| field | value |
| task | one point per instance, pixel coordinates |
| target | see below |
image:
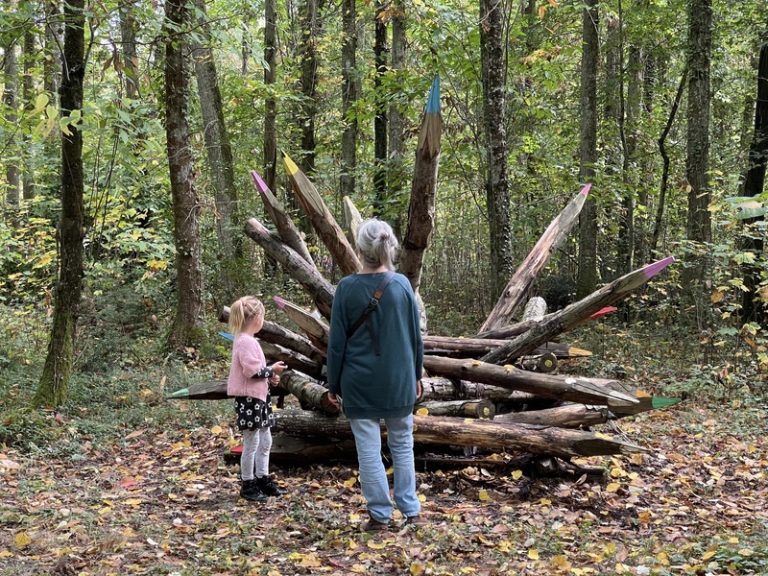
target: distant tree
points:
(494, 78)
(754, 183)
(52, 389)
(349, 94)
(10, 89)
(186, 208)
(587, 278)
(699, 226)
(29, 55)
(130, 64)
(380, 49)
(270, 102)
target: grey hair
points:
(377, 244)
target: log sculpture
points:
(497, 390)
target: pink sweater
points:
(247, 360)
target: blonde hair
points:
(242, 311)
(377, 244)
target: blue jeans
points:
(373, 477)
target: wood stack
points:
(497, 390)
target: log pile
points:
(497, 390)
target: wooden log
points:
(482, 408)
(545, 362)
(520, 283)
(421, 210)
(322, 220)
(573, 315)
(286, 229)
(513, 330)
(278, 334)
(352, 220)
(293, 359)
(299, 269)
(310, 394)
(315, 328)
(453, 347)
(566, 416)
(572, 388)
(535, 309)
(211, 390)
(485, 434)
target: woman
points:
(375, 354)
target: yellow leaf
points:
(663, 558)
(373, 545)
(484, 496)
(134, 501)
(717, 296)
(309, 561)
(216, 430)
(733, 540)
(417, 569)
(746, 552)
(422, 412)
(22, 540)
(612, 487)
(6, 554)
(644, 517)
(349, 482)
(359, 569)
(641, 394)
(545, 501)
(517, 474)
(617, 472)
(533, 554)
(609, 549)
(561, 562)
(708, 554)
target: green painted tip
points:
(664, 402)
(183, 393)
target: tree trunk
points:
(380, 119)
(698, 227)
(270, 102)
(10, 89)
(220, 162)
(493, 63)
(28, 96)
(588, 278)
(349, 98)
(185, 202)
(130, 62)
(52, 389)
(397, 170)
(308, 53)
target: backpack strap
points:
(365, 316)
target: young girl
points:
(249, 381)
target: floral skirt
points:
(253, 413)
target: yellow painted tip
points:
(578, 352)
(290, 165)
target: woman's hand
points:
(333, 399)
(419, 390)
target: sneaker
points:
(268, 486)
(250, 491)
(417, 520)
(372, 525)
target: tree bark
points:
(397, 171)
(588, 276)
(220, 162)
(493, 64)
(28, 96)
(52, 388)
(186, 207)
(349, 98)
(311, 28)
(380, 50)
(752, 304)
(698, 226)
(10, 94)
(270, 102)
(130, 62)
(458, 408)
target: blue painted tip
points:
(227, 336)
(433, 102)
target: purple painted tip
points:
(654, 268)
(586, 189)
(259, 181)
(279, 302)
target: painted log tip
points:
(586, 189)
(603, 311)
(654, 268)
(433, 100)
(290, 165)
(227, 336)
(183, 393)
(259, 181)
(279, 302)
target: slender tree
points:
(752, 307)
(699, 226)
(29, 54)
(493, 59)
(10, 89)
(396, 173)
(219, 154)
(270, 102)
(349, 93)
(54, 381)
(380, 49)
(186, 208)
(309, 61)
(130, 63)
(587, 278)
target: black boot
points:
(250, 491)
(268, 486)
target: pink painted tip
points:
(259, 181)
(586, 189)
(603, 312)
(654, 268)
(279, 302)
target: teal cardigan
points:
(374, 386)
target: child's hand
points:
(278, 367)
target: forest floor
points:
(166, 503)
